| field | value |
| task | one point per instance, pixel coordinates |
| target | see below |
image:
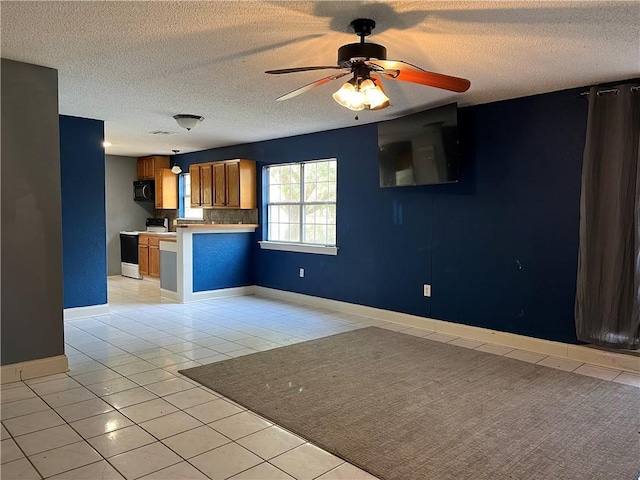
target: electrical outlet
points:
(302, 273)
(426, 290)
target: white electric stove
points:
(129, 246)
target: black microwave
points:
(143, 190)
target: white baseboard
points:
(170, 294)
(34, 369)
(83, 312)
(223, 292)
(581, 353)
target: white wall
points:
(123, 213)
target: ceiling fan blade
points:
(378, 82)
(311, 85)
(431, 79)
(302, 69)
(393, 65)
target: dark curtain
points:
(608, 288)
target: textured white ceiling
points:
(136, 64)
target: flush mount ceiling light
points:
(176, 168)
(106, 144)
(188, 121)
(368, 63)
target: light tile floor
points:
(124, 411)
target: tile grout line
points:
(79, 434)
(27, 457)
(159, 440)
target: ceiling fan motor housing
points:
(351, 52)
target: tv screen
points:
(420, 149)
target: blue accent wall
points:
(221, 260)
(499, 248)
(84, 249)
(505, 244)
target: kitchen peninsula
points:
(206, 261)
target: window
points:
(185, 200)
(301, 203)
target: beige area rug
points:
(407, 408)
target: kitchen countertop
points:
(219, 225)
(144, 232)
(159, 234)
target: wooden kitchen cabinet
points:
(201, 185)
(166, 189)
(147, 166)
(149, 255)
(234, 184)
(225, 184)
(219, 185)
(143, 254)
(154, 257)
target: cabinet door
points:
(206, 185)
(169, 189)
(233, 184)
(159, 189)
(159, 161)
(220, 185)
(141, 163)
(149, 172)
(154, 261)
(194, 172)
(143, 259)
(147, 166)
(166, 189)
(248, 190)
(150, 168)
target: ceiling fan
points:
(368, 63)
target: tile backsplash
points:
(215, 215)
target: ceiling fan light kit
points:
(374, 97)
(358, 94)
(188, 121)
(367, 61)
(349, 96)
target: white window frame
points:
(186, 194)
(299, 247)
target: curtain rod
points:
(634, 88)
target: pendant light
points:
(176, 168)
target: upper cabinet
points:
(235, 184)
(147, 166)
(226, 184)
(201, 185)
(166, 189)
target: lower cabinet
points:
(149, 255)
(143, 254)
(154, 257)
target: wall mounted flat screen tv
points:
(420, 149)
